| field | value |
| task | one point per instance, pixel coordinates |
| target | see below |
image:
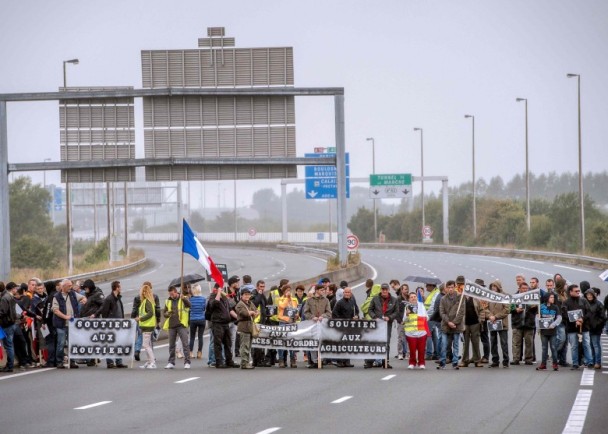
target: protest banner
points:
(353, 339)
(108, 338)
(297, 336)
(479, 292)
(334, 338)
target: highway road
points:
(265, 400)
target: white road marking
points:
(572, 268)
(97, 404)
(528, 260)
(587, 378)
(186, 380)
(269, 430)
(388, 377)
(153, 270)
(21, 374)
(341, 400)
(374, 276)
(578, 414)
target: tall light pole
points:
(422, 171)
(474, 193)
(68, 192)
(580, 164)
(527, 167)
(371, 139)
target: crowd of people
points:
(432, 322)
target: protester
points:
(9, 321)
(221, 316)
(176, 313)
(402, 302)
(112, 307)
(259, 301)
(135, 313)
(345, 308)
(198, 303)
(523, 323)
(146, 320)
(495, 315)
(472, 332)
(316, 309)
(384, 307)
(452, 323)
(432, 349)
(597, 319)
(287, 314)
(246, 312)
(415, 332)
(549, 311)
(577, 310)
(65, 309)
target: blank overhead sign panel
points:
(219, 126)
(97, 129)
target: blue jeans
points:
(573, 340)
(455, 348)
(138, 341)
(548, 341)
(431, 344)
(61, 338)
(596, 345)
(8, 344)
(51, 346)
(197, 328)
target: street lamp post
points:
(527, 167)
(474, 193)
(580, 164)
(68, 199)
(422, 171)
(374, 172)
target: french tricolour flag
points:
(423, 318)
(192, 246)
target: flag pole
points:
(182, 270)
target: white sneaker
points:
(400, 357)
(151, 366)
(187, 366)
(421, 367)
(411, 367)
(144, 366)
(170, 366)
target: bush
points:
(97, 254)
(33, 252)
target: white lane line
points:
(186, 380)
(374, 276)
(161, 346)
(269, 430)
(341, 400)
(388, 377)
(578, 414)
(153, 270)
(97, 404)
(587, 378)
(572, 268)
(21, 374)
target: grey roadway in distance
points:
(471, 400)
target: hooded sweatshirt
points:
(596, 316)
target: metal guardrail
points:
(599, 263)
(96, 275)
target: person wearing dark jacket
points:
(9, 321)
(221, 316)
(50, 339)
(95, 299)
(384, 307)
(550, 318)
(346, 308)
(112, 308)
(576, 310)
(596, 318)
(523, 319)
(259, 301)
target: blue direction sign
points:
(321, 181)
(58, 198)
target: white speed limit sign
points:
(352, 242)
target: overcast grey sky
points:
(403, 64)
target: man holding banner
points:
(495, 314)
(451, 310)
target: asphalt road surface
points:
(472, 400)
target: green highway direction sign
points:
(396, 185)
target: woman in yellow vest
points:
(415, 332)
(287, 314)
(147, 323)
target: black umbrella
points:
(423, 279)
(188, 278)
